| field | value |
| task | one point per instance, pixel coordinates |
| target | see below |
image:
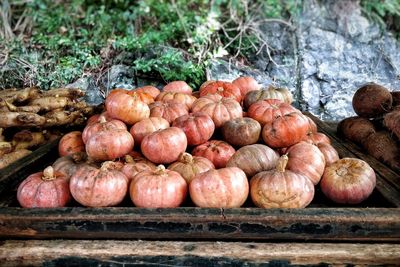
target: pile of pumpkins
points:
(243, 141)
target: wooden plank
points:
(355, 224)
(144, 253)
(388, 181)
(11, 175)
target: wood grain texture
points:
(144, 253)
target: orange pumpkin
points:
(151, 90)
(267, 110)
(169, 110)
(147, 126)
(246, 84)
(198, 127)
(71, 143)
(178, 86)
(179, 97)
(225, 89)
(218, 152)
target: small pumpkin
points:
(281, 188)
(178, 86)
(164, 146)
(179, 97)
(104, 187)
(169, 110)
(143, 96)
(282, 94)
(246, 84)
(316, 138)
(241, 131)
(189, 166)
(98, 117)
(71, 143)
(223, 188)
(70, 163)
(47, 189)
(198, 127)
(102, 125)
(159, 188)
(133, 166)
(265, 111)
(329, 152)
(147, 126)
(151, 90)
(218, 152)
(224, 89)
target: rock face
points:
(332, 52)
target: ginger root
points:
(27, 139)
(51, 102)
(5, 147)
(11, 119)
(72, 93)
(9, 158)
(12, 95)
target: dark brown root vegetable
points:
(372, 100)
(381, 146)
(355, 129)
(396, 98)
(392, 122)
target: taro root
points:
(355, 129)
(396, 98)
(392, 122)
(372, 100)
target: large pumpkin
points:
(223, 188)
(169, 110)
(179, 87)
(246, 84)
(281, 188)
(306, 159)
(218, 152)
(271, 93)
(220, 109)
(164, 146)
(241, 131)
(285, 130)
(71, 143)
(159, 188)
(147, 126)
(102, 125)
(47, 189)
(178, 97)
(224, 89)
(129, 109)
(198, 127)
(265, 111)
(102, 187)
(253, 159)
(189, 166)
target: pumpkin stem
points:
(282, 162)
(48, 174)
(108, 165)
(220, 89)
(160, 169)
(78, 157)
(102, 119)
(186, 158)
(129, 159)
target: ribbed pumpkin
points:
(189, 166)
(102, 187)
(281, 188)
(198, 127)
(253, 159)
(316, 138)
(265, 111)
(159, 188)
(70, 163)
(246, 84)
(71, 143)
(218, 152)
(220, 109)
(98, 117)
(102, 125)
(147, 126)
(133, 167)
(129, 109)
(271, 93)
(143, 96)
(241, 131)
(164, 146)
(224, 89)
(178, 86)
(306, 159)
(312, 127)
(329, 152)
(223, 188)
(47, 189)
(286, 130)
(169, 110)
(151, 90)
(179, 97)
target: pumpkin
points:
(241, 131)
(159, 188)
(316, 138)
(101, 125)
(392, 122)
(143, 96)
(169, 110)
(348, 181)
(267, 110)
(312, 126)
(246, 84)
(104, 187)
(306, 159)
(147, 126)
(253, 159)
(198, 127)
(68, 165)
(206, 83)
(164, 146)
(281, 188)
(47, 189)
(271, 93)
(218, 152)
(220, 109)
(329, 152)
(196, 94)
(109, 144)
(224, 89)
(178, 86)
(223, 188)
(98, 117)
(129, 109)
(151, 90)
(355, 129)
(134, 166)
(188, 166)
(372, 100)
(178, 97)
(71, 143)
(286, 130)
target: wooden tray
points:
(375, 220)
